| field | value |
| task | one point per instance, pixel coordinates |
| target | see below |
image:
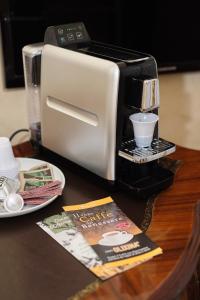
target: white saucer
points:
(26, 164)
(122, 240)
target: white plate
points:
(26, 164)
(121, 240)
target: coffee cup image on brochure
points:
(114, 238)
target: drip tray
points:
(158, 149)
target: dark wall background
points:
(167, 30)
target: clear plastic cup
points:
(143, 127)
(9, 166)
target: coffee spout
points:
(150, 95)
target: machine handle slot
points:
(72, 111)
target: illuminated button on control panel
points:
(70, 37)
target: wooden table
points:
(33, 266)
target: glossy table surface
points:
(170, 228)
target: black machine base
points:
(140, 180)
(144, 181)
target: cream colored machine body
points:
(79, 108)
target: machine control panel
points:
(67, 35)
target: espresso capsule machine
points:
(88, 92)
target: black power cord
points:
(16, 132)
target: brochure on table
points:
(101, 237)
